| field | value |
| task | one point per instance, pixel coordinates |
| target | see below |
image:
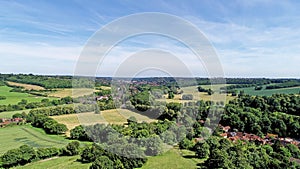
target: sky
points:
(257, 38)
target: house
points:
(102, 98)
(224, 135)
(5, 122)
(198, 139)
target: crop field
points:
(26, 86)
(15, 97)
(114, 116)
(15, 136)
(57, 163)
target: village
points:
(8, 121)
(270, 139)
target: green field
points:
(15, 97)
(174, 159)
(264, 92)
(57, 163)
(15, 136)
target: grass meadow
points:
(56, 163)
(16, 136)
(15, 97)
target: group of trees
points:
(117, 146)
(48, 124)
(278, 114)
(26, 154)
(222, 153)
(103, 159)
(187, 97)
(24, 104)
(52, 82)
(146, 138)
(209, 91)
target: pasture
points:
(15, 97)
(15, 136)
(57, 163)
(26, 86)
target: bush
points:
(187, 97)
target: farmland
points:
(15, 97)
(26, 86)
(15, 136)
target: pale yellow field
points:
(114, 116)
(26, 86)
(75, 92)
(105, 87)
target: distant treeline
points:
(284, 85)
(51, 82)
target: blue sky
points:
(258, 38)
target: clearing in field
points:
(26, 86)
(114, 116)
(15, 97)
(57, 163)
(16, 136)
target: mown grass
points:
(26, 86)
(15, 97)
(15, 136)
(57, 163)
